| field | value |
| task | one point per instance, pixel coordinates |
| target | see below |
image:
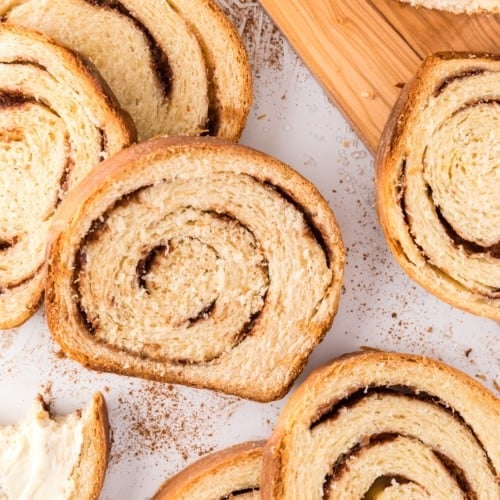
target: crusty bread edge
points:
(386, 165)
(95, 452)
(271, 486)
(232, 119)
(174, 486)
(112, 169)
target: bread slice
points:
(459, 6)
(55, 457)
(385, 425)
(56, 123)
(233, 472)
(437, 180)
(195, 261)
(177, 66)
(229, 72)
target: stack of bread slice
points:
(176, 66)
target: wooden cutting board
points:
(363, 51)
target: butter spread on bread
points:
(54, 458)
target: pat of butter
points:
(37, 456)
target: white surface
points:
(293, 120)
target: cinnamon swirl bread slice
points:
(385, 425)
(233, 472)
(458, 6)
(61, 457)
(195, 261)
(177, 66)
(438, 180)
(56, 123)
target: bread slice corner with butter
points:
(63, 457)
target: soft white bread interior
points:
(459, 6)
(56, 123)
(177, 66)
(195, 261)
(385, 425)
(61, 458)
(438, 180)
(233, 472)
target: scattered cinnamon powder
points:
(160, 419)
(496, 385)
(6, 340)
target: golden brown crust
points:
(134, 162)
(182, 482)
(228, 67)
(95, 453)
(391, 183)
(477, 408)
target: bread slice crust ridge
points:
(178, 67)
(226, 473)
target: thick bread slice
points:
(195, 261)
(385, 425)
(56, 123)
(459, 6)
(232, 472)
(152, 54)
(438, 180)
(229, 72)
(55, 457)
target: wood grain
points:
(363, 51)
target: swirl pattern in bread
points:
(177, 66)
(385, 425)
(438, 180)
(195, 261)
(56, 123)
(459, 6)
(233, 472)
